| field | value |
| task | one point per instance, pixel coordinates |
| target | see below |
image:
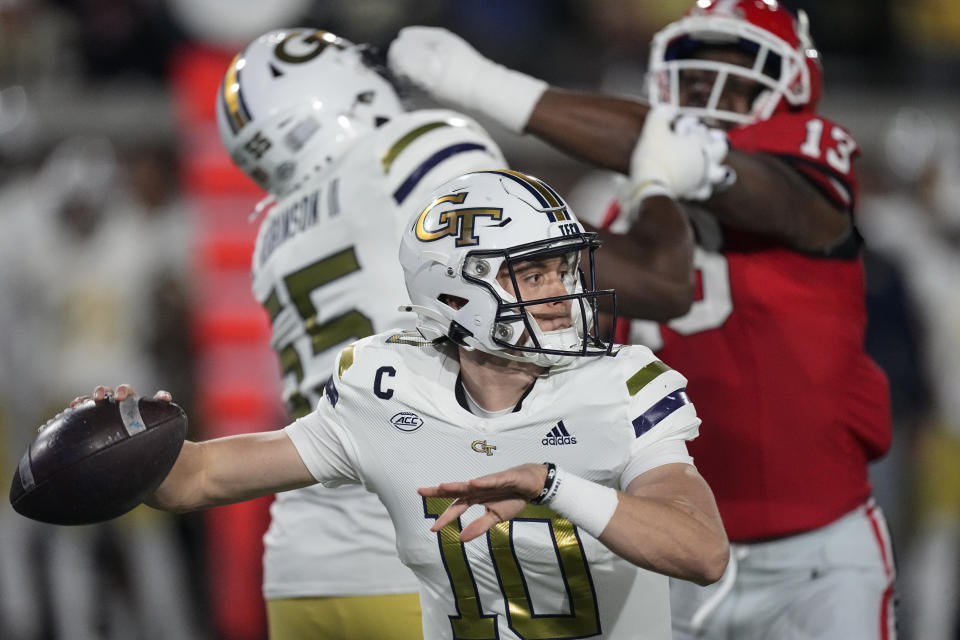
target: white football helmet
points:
(294, 100)
(455, 247)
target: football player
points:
(316, 121)
(505, 359)
(771, 335)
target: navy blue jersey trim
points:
(652, 416)
(331, 393)
(416, 176)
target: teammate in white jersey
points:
(504, 370)
(316, 122)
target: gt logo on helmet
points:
(319, 38)
(458, 223)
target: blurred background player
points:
(316, 121)
(773, 338)
(914, 222)
(94, 303)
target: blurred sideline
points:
(122, 254)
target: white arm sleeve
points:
(448, 68)
(664, 419)
(325, 447)
(661, 453)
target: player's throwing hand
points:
(503, 495)
(122, 392)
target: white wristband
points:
(507, 96)
(586, 504)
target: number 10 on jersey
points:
(572, 577)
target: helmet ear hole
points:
(452, 301)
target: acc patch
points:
(406, 421)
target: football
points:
(98, 460)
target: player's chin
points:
(554, 324)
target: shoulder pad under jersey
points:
(421, 149)
(821, 150)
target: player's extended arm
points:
(452, 71)
(599, 129)
(771, 198)
(666, 521)
(225, 470)
(768, 197)
(651, 266)
(231, 469)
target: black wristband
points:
(547, 483)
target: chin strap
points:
(439, 326)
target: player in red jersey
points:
(770, 332)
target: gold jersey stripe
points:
(346, 360)
(404, 142)
(643, 377)
(411, 337)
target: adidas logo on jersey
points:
(559, 435)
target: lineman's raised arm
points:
(589, 126)
(605, 130)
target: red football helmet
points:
(786, 65)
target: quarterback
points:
(446, 423)
(771, 334)
(317, 122)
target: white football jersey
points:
(325, 268)
(391, 421)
